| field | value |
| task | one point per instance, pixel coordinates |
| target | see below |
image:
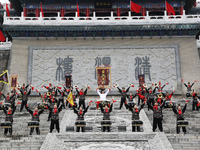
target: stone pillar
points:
(37, 12)
(143, 11)
(181, 10)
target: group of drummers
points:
(154, 96)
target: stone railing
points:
(5, 45)
(94, 20)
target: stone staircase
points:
(20, 139)
(189, 141)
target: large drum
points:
(103, 103)
(182, 123)
(80, 123)
(106, 123)
(41, 105)
(6, 124)
(33, 124)
(169, 105)
(137, 123)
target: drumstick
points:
(42, 98)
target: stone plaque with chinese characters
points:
(50, 65)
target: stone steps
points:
(188, 141)
(21, 140)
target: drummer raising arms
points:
(189, 87)
(123, 95)
(35, 117)
(9, 118)
(180, 116)
(55, 116)
(80, 117)
(106, 115)
(135, 114)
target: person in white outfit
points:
(103, 94)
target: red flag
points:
(7, 10)
(169, 8)
(2, 37)
(77, 9)
(135, 7)
(41, 9)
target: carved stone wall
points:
(157, 62)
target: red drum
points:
(106, 123)
(6, 124)
(33, 124)
(137, 123)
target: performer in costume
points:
(80, 116)
(131, 101)
(151, 95)
(139, 91)
(103, 94)
(14, 97)
(157, 115)
(189, 87)
(61, 97)
(24, 87)
(9, 118)
(35, 117)
(9, 99)
(49, 88)
(82, 97)
(55, 117)
(123, 95)
(52, 103)
(195, 102)
(135, 114)
(168, 96)
(106, 115)
(180, 116)
(25, 95)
